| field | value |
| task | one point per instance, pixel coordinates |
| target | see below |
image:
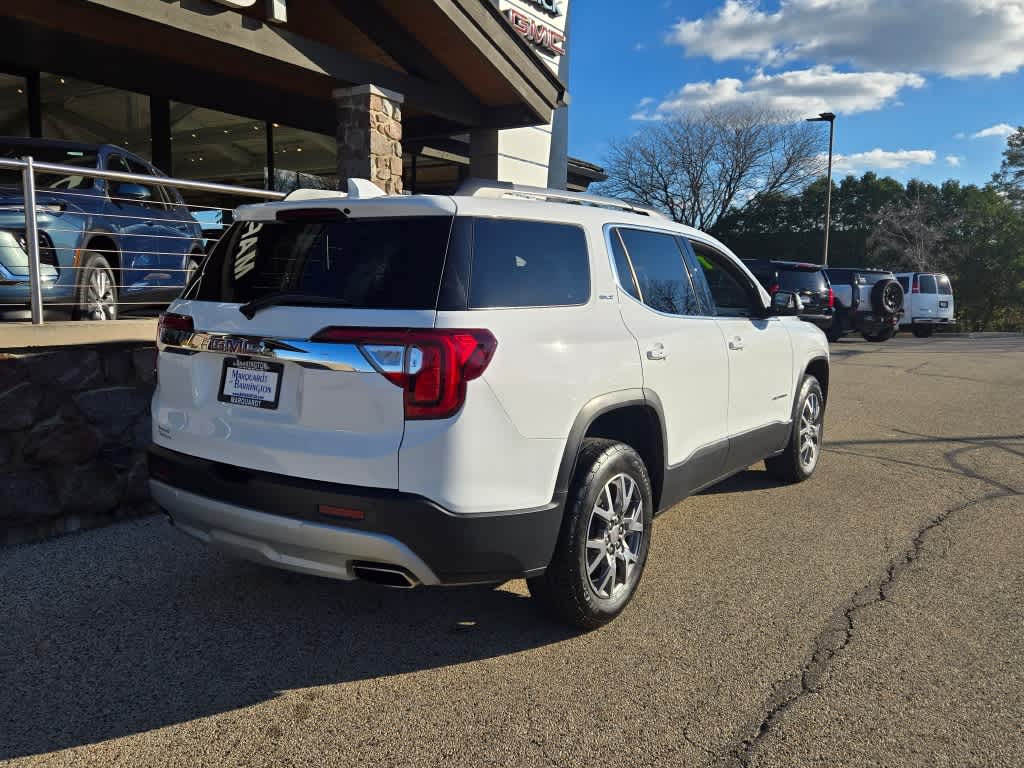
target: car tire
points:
(887, 297)
(605, 536)
(923, 331)
(835, 332)
(191, 267)
(878, 336)
(97, 291)
(803, 451)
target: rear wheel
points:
(883, 335)
(923, 331)
(835, 332)
(603, 544)
(97, 297)
(800, 459)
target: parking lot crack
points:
(839, 632)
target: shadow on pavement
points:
(132, 628)
(748, 480)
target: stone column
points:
(370, 136)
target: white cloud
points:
(1002, 130)
(646, 101)
(802, 91)
(950, 37)
(953, 161)
(882, 159)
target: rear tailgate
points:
(257, 392)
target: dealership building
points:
(417, 95)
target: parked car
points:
(808, 281)
(449, 390)
(929, 303)
(867, 301)
(102, 244)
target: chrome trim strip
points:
(309, 354)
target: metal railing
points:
(30, 172)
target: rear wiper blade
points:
(293, 299)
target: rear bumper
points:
(928, 321)
(823, 321)
(275, 519)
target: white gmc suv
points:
(505, 383)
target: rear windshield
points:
(386, 263)
(904, 283)
(801, 280)
(944, 285)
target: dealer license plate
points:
(254, 383)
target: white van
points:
(929, 302)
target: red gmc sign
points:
(551, 40)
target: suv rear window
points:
(528, 264)
(385, 263)
(801, 280)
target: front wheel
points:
(98, 291)
(803, 451)
(605, 536)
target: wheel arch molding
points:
(632, 416)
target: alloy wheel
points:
(614, 536)
(100, 302)
(810, 432)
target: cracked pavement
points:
(869, 617)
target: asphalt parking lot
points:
(870, 617)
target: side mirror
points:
(133, 191)
(786, 303)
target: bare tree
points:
(695, 168)
(912, 232)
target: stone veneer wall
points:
(74, 427)
(370, 136)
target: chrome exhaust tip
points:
(394, 576)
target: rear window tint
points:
(945, 288)
(801, 280)
(528, 264)
(387, 263)
(904, 283)
(927, 283)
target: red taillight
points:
(831, 298)
(172, 328)
(431, 365)
(773, 288)
(915, 287)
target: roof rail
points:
(505, 189)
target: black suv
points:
(806, 280)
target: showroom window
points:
(13, 105)
(303, 158)
(217, 146)
(78, 110)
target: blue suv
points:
(101, 243)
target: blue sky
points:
(913, 81)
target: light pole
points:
(827, 117)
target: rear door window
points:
(661, 275)
(927, 283)
(381, 263)
(945, 287)
(528, 264)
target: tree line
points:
(753, 190)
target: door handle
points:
(736, 343)
(657, 352)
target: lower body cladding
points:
(348, 532)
